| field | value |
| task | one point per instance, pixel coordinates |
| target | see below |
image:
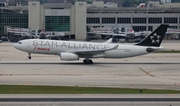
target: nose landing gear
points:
(29, 57)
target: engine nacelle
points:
(69, 56)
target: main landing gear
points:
(87, 61)
(29, 57)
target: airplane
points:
(173, 31)
(119, 33)
(142, 5)
(73, 50)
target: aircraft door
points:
(28, 44)
(132, 50)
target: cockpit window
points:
(19, 42)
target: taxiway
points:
(152, 71)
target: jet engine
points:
(69, 56)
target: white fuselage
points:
(55, 47)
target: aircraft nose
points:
(15, 45)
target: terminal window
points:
(108, 20)
(57, 23)
(139, 20)
(155, 20)
(93, 20)
(124, 20)
(170, 20)
(12, 19)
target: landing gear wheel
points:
(90, 61)
(87, 61)
(29, 57)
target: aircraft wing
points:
(173, 32)
(100, 33)
(92, 52)
(122, 35)
(113, 34)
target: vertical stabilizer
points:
(156, 37)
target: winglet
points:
(108, 41)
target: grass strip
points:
(28, 89)
(168, 51)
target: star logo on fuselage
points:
(155, 38)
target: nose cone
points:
(15, 45)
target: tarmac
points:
(152, 71)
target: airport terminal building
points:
(76, 19)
